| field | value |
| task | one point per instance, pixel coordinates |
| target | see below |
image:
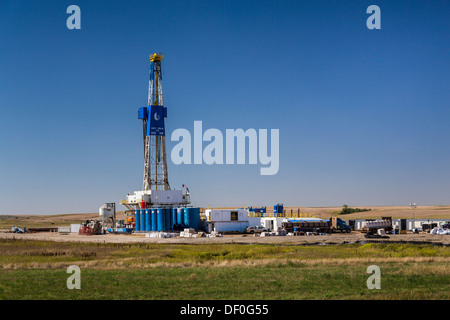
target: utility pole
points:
(413, 207)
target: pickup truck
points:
(253, 230)
(446, 225)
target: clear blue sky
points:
(363, 114)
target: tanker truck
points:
(372, 226)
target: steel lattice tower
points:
(156, 192)
(155, 159)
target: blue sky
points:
(363, 114)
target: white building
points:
(272, 224)
(229, 220)
(236, 220)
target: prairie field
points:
(413, 266)
(37, 270)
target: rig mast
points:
(156, 192)
(155, 158)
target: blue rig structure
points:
(156, 207)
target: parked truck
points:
(257, 229)
(332, 225)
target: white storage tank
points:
(106, 211)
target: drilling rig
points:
(155, 159)
(156, 191)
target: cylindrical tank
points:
(154, 220)
(186, 217)
(174, 218)
(278, 208)
(148, 220)
(168, 218)
(106, 211)
(137, 219)
(180, 216)
(161, 219)
(194, 217)
(376, 224)
(142, 228)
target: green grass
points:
(288, 281)
(37, 270)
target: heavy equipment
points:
(107, 213)
(91, 227)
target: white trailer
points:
(273, 224)
(230, 220)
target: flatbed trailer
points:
(322, 226)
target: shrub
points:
(347, 210)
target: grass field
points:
(37, 270)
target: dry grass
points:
(35, 221)
(421, 264)
(23, 254)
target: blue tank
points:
(174, 218)
(148, 220)
(186, 217)
(180, 216)
(278, 208)
(142, 228)
(154, 220)
(137, 220)
(161, 219)
(193, 217)
(168, 218)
